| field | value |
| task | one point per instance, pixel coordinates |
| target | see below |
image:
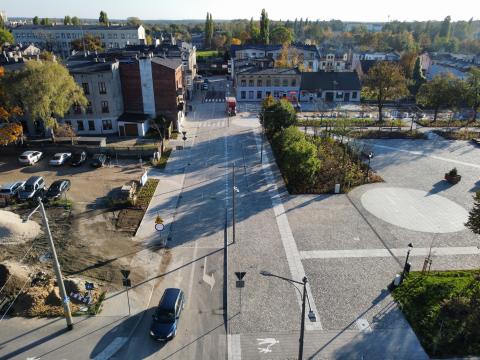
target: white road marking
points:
(269, 342)
(290, 246)
(209, 279)
(373, 253)
(421, 153)
(234, 347)
(112, 348)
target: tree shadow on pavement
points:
(439, 186)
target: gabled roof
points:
(275, 47)
(313, 81)
(268, 71)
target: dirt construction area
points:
(88, 243)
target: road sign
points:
(184, 138)
(159, 227)
(240, 283)
(127, 282)
(125, 273)
(240, 274)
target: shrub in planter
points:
(452, 176)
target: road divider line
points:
(234, 347)
(373, 253)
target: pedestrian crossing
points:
(211, 123)
(217, 100)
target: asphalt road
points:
(197, 249)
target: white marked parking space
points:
(415, 209)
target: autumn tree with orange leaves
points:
(10, 131)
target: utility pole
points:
(302, 325)
(56, 267)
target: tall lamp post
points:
(406, 266)
(370, 156)
(311, 314)
(235, 190)
(56, 264)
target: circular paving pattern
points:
(415, 210)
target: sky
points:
(345, 10)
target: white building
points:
(58, 38)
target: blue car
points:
(165, 319)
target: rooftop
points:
(75, 27)
(268, 71)
(170, 63)
(330, 81)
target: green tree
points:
(264, 28)
(281, 35)
(45, 21)
(384, 82)
(44, 90)
(103, 18)
(75, 21)
(134, 21)
(209, 30)
(67, 20)
(473, 222)
(278, 116)
(417, 77)
(6, 37)
(446, 27)
(87, 43)
(441, 91)
(254, 32)
(472, 90)
(36, 20)
(299, 161)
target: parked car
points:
(10, 191)
(30, 157)
(165, 320)
(205, 86)
(34, 187)
(57, 189)
(78, 158)
(60, 158)
(98, 160)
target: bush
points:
(278, 116)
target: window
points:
(354, 94)
(123, 36)
(243, 83)
(285, 82)
(89, 108)
(276, 94)
(109, 36)
(250, 94)
(68, 36)
(102, 88)
(339, 95)
(251, 83)
(86, 90)
(63, 36)
(268, 93)
(243, 95)
(310, 64)
(80, 126)
(114, 36)
(259, 94)
(269, 83)
(276, 82)
(107, 124)
(77, 109)
(259, 83)
(294, 82)
(117, 45)
(338, 64)
(105, 107)
(91, 125)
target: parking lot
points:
(89, 243)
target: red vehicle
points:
(231, 106)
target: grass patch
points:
(162, 162)
(66, 203)
(97, 307)
(146, 193)
(348, 122)
(448, 123)
(207, 53)
(174, 135)
(443, 310)
(377, 134)
(458, 135)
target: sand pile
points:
(13, 276)
(14, 231)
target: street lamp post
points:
(370, 156)
(56, 264)
(405, 271)
(311, 314)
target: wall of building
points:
(336, 96)
(146, 80)
(166, 82)
(131, 87)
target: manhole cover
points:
(363, 325)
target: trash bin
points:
(337, 188)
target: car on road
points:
(10, 191)
(78, 158)
(98, 160)
(57, 189)
(30, 157)
(34, 187)
(60, 158)
(165, 319)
